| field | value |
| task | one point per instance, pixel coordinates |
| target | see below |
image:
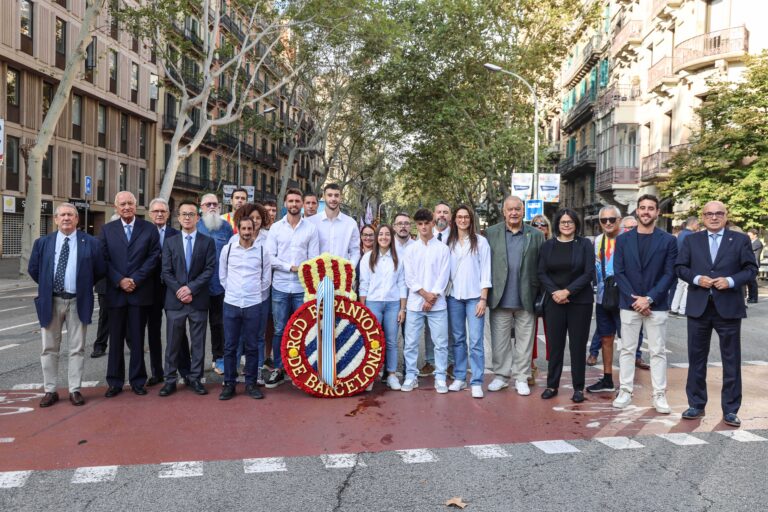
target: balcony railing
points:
(584, 158)
(194, 38)
(629, 34)
(170, 122)
(607, 179)
(661, 8)
(661, 73)
(617, 166)
(232, 27)
(617, 95)
(189, 181)
(589, 56)
(580, 110)
(654, 165)
(704, 49)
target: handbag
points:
(541, 302)
(611, 288)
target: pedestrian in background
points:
(540, 222)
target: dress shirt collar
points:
(132, 223)
(192, 234)
(719, 233)
(60, 236)
(324, 216)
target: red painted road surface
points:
(131, 429)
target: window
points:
(48, 171)
(13, 94)
(90, 59)
(123, 134)
(271, 184)
(263, 182)
(205, 169)
(12, 163)
(142, 139)
(47, 97)
(77, 117)
(134, 82)
(101, 173)
(61, 43)
(76, 174)
(122, 178)
(113, 71)
(27, 10)
(142, 186)
(153, 92)
(101, 124)
(114, 7)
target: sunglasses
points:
(539, 225)
(608, 220)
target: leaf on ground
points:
(456, 501)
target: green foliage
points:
(728, 157)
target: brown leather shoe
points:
(639, 363)
(76, 398)
(49, 399)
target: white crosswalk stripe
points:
(94, 474)
(342, 460)
(11, 479)
(7, 439)
(619, 443)
(264, 465)
(554, 447)
(682, 439)
(417, 456)
(742, 436)
(488, 451)
(181, 469)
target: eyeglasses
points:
(539, 224)
(462, 217)
(566, 223)
(403, 224)
(210, 205)
(711, 215)
(159, 212)
(608, 220)
(187, 214)
(367, 235)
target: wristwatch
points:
(649, 299)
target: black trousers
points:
(699, 338)
(216, 321)
(155, 339)
(126, 323)
(573, 320)
(102, 331)
(752, 289)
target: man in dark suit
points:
(65, 265)
(757, 248)
(132, 250)
(188, 262)
(644, 266)
(716, 264)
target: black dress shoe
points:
(154, 380)
(198, 387)
(227, 392)
(252, 390)
(139, 390)
(113, 391)
(578, 396)
(49, 399)
(549, 393)
(732, 420)
(169, 388)
(98, 352)
(76, 398)
(693, 413)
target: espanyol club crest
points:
(333, 346)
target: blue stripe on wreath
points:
(341, 339)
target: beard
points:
(212, 221)
(441, 224)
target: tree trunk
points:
(37, 153)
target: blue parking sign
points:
(533, 207)
(87, 185)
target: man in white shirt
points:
(244, 272)
(427, 270)
(291, 241)
(338, 232)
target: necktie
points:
(58, 279)
(188, 252)
(439, 237)
(162, 237)
(714, 244)
(128, 231)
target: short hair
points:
(609, 207)
(560, 214)
(295, 192)
(247, 209)
(402, 214)
(67, 205)
(690, 221)
(310, 194)
(240, 189)
(443, 203)
(753, 231)
(331, 186)
(270, 202)
(245, 219)
(648, 197)
(188, 201)
(423, 215)
(126, 192)
(512, 198)
(161, 201)
(209, 194)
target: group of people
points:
(237, 272)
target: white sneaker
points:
(477, 391)
(522, 388)
(393, 382)
(660, 403)
(497, 384)
(410, 384)
(441, 387)
(623, 399)
(457, 385)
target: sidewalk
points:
(9, 275)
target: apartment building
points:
(106, 131)
(630, 89)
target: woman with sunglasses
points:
(467, 298)
(566, 271)
(541, 223)
(383, 290)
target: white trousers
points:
(508, 359)
(680, 297)
(64, 312)
(655, 328)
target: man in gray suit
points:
(188, 262)
(514, 258)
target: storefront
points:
(12, 220)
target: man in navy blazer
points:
(65, 265)
(644, 266)
(716, 263)
(132, 250)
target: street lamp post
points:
(498, 69)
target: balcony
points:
(608, 179)
(584, 159)
(703, 50)
(192, 81)
(227, 139)
(628, 36)
(195, 39)
(169, 123)
(581, 111)
(617, 166)
(655, 166)
(616, 96)
(190, 182)
(590, 54)
(230, 25)
(661, 76)
(663, 9)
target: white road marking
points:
(94, 474)
(24, 387)
(11, 479)
(417, 456)
(488, 451)
(264, 465)
(682, 439)
(566, 368)
(89, 384)
(181, 469)
(13, 309)
(757, 363)
(679, 365)
(619, 442)
(9, 346)
(743, 436)
(715, 365)
(20, 325)
(558, 446)
(7, 439)
(342, 460)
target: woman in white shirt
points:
(467, 297)
(383, 290)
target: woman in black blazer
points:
(566, 270)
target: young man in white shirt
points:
(427, 270)
(291, 241)
(338, 232)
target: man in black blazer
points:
(716, 264)
(189, 260)
(132, 251)
(644, 266)
(65, 264)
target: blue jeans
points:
(386, 313)
(414, 326)
(266, 306)
(241, 322)
(461, 313)
(283, 306)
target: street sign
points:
(87, 185)
(533, 207)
